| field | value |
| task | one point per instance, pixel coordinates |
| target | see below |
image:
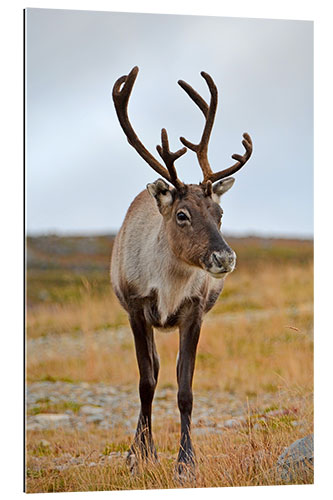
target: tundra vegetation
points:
(253, 382)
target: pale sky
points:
(81, 174)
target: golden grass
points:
(257, 340)
(241, 349)
(243, 457)
(90, 313)
(243, 356)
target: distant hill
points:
(60, 267)
(93, 252)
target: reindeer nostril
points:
(216, 260)
(224, 261)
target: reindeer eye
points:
(181, 216)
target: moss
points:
(115, 447)
(46, 406)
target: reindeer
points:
(170, 260)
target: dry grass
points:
(244, 356)
(256, 341)
(257, 337)
(243, 457)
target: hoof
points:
(136, 458)
(132, 462)
(185, 473)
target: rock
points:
(105, 425)
(94, 414)
(202, 431)
(90, 410)
(234, 423)
(230, 424)
(61, 467)
(95, 419)
(52, 420)
(75, 461)
(296, 460)
(43, 443)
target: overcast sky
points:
(81, 174)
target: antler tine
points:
(241, 160)
(169, 158)
(120, 98)
(199, 101)
(209, 112)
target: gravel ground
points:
(108, 407)
(78, 406)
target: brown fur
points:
(161, 273)
(182, 251)
(169, 260)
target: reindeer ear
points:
(162, 193)
(222, 187)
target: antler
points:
(209, 113)
(169, 158)
(120, 99)
(241, 160)
(201, 149)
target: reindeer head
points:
(191, 213)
